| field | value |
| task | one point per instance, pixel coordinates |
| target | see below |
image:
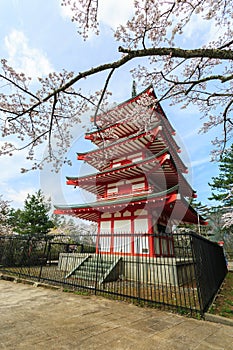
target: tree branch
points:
(131, 54)
(225, 120)
(179, 53)
(19, 87)
(222, 78)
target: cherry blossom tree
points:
(71, 230)
(228, 218)
(201, 75)
(5, 227)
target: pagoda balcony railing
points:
(116, 195)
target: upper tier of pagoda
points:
(120, 121)
(150, 142)
(129, 128)
(159, 169)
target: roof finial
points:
(134, 92)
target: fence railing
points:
(185, 281)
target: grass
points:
(223, 304)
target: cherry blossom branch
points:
(225, 120)
(103, 93)
(222, 78)
(11, 81)
(176, 52)
(51, 119)
(131, 54)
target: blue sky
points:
(38, 37)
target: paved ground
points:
(41, 318)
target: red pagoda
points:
(141, 192)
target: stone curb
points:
(30, 282)
(218, 319)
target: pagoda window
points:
(106, 215)
(127, 213)
(125, 188)
(115, 165)
(136, 157)
(117, 162)
(111, 191)
(138, 187)
(140, 212)
(157, 246)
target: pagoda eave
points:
(143, 139)
(161, 163)
(153, 141)
(170, 203)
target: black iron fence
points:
(185, 276)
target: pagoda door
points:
(122, 237)
(105, 236)
(141, 241)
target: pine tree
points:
(34, 218)
(222, 185)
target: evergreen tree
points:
(34, 219)
(14, 218)
(222, 185)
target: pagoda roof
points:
(121, 128)
(169, 201)
(162, 163)
(153, 140)
(112, 116)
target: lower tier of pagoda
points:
(169, 203)
(137, 219)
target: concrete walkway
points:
(42, 318)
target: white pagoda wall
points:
(123, 223)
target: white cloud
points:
(24, 58)
(109, 12)
(14, 186)
(198, 162)
(113, 14)
(10, 166)
(17, 197)
(200, 31)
